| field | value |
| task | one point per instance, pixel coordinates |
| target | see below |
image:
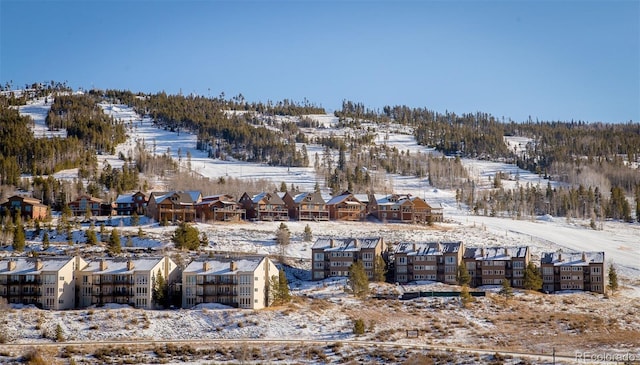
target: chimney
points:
(559, 256)
(584, 257)
(39, 265)
(332, 243)
(130, 265)
(233, 266)
(103, 265)
(482, 252)
(206, 266)
(11, 265)
(506, 251)
(415, 247)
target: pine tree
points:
(18, 237)
(135, 219)
(140, 232)
(379, 269)
(90, 237)
(463, 276)
(358, 280)
(45, 240)
(532, 277)
(283, 235)
(279, 288)
(204, 239)
(159, 291)
(358, 327)
(308, 235)
(506, 291)
(613, 278)
(59, 333)
(465, 296)
(283, 187)
(114, 242)
(186, 237)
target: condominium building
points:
(334, 256)
(493, 265)
(123, 281)
(573, 271)
(240, 283)
(47, 283)
(435, 261)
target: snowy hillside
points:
(619, 241)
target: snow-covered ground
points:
(619, 241)
(325, 310)
(38, 109)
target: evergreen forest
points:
(591, 158)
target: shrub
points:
(358, 327)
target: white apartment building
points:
(47, 283)
(240, 283)
(123, 281)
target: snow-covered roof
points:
(222, 266)
(428, 248)
(572, 258)
(364, 198)
(120, 266)
(496, 253)
(346, 244)
(273, 198)
(27, 266)
(124, 199)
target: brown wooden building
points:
(403, 208)
(346, 207)
(493, 265)
(173, 206)
(29, 208)
(264, 207)
(334, 256)
(220, 208)
(433, 261)
(127, 204)
(306, 206)
(573, 271)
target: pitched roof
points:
(119, 266)
(495, 253)
(27, 266)
(223, 266)
(340, 198)
(124, 199)
(346, 244)
(272, 198)
(572, 258)
(428, 248)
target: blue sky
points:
(551, 60)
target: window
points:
(62, 278)
(402, 260)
